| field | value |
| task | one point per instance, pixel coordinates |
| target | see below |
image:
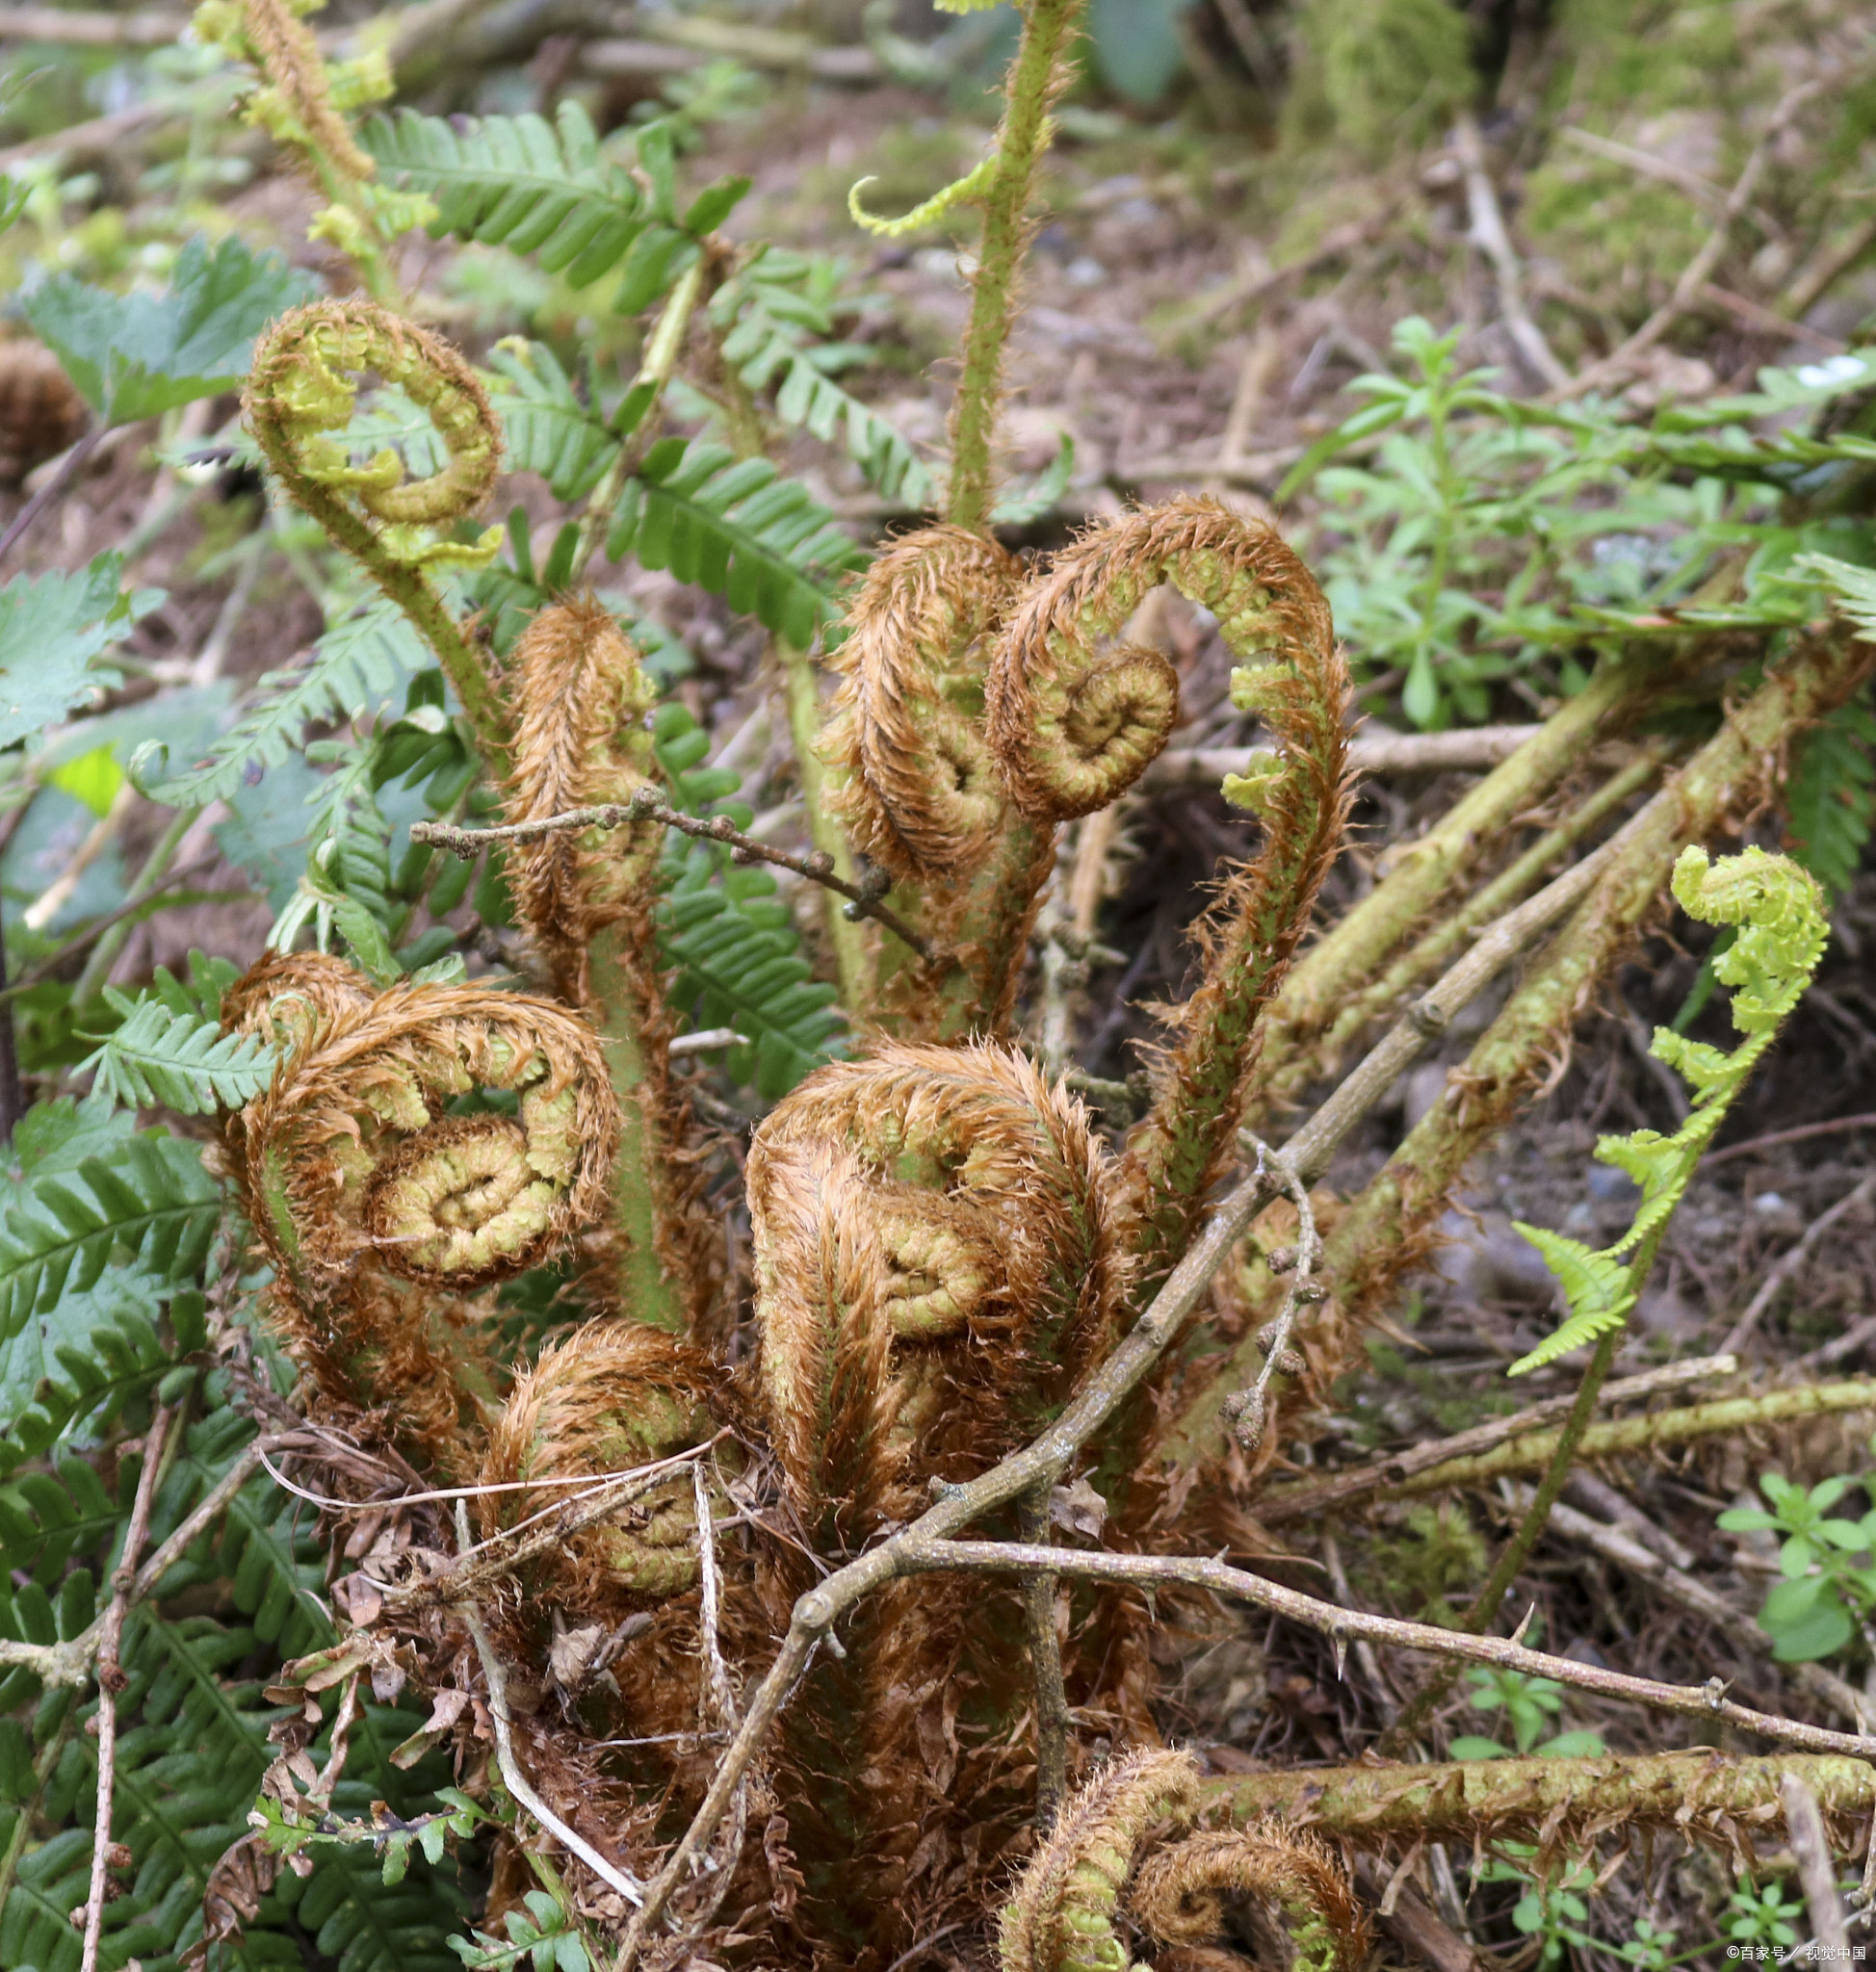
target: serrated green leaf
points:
(161, 1058)
(52, 629)
(137, 356)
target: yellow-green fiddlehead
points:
(301, 105)
(1778, 912)
(581, 700)
(301, 393)
(1091, 1872)
(1072, 726)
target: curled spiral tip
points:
(916, 782)
(1178, 1893)
(930, 1229)
(1074, 726)
(610, 1397)
(354, 1151)
(300, 389)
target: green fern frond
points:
(734, 526)
(1830, 795)
(517, 182)
(1777, 910)
(162, 1059)
(548, 428)
(358, 666)
(148, 1196)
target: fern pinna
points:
(516, 1386)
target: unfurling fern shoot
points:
(1777, 910)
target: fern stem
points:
(801, 689)
(1300, 1035)
(1035, 77)
(656, 369)
(1458, 1800)
(1516, 1552)
(1387, 1224)
(104, 953)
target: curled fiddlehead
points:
(1090, 1871)
(931, 1219)
(607, 1398)
(1274, 617)
(918, 788)
(933, 1261)
(581, 743)
(297, 104)
(301, 391)
(379, 1201)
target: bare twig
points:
(482, 1566)
(1698, 1702)
(1810, 1844)
(519, 1786)
(1245, 1408)
(864, 898)
(1802, 1133)
(111, 1680)
(186, 1536)
(715, 1704)
(1370, 751)
(90, 936)
(1490, 236)
(1314, 1496)
(1793, 1263)
(74, 28)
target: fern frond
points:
(1830, 795)
(1778, 909)
(517, 182)
(357, 665)
(770, 353)
(734, 526)
(547, 429)
(150, 1196)
(162, 1059)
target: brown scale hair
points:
(40, 411)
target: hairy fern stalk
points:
(551, 1461)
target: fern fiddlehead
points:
(380, 1203)
(933, 1260)
(608, 1397)
(1072, 728)
(580, 741)
(299, 392)
(1089, 1873)
(1778, 913)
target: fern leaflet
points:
(161, 1058)
(1778, 911)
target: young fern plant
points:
(1776, 912)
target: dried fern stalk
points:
(934, 1260)
(580, 741)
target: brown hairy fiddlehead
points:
(301, 391)
(933, 1261)
(580, 742)
(1090, 1872)
(1273, 616)
(607, 1398)
(918, 789)
(928, 1216)
(379, 1201)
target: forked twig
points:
(1697, 1701)
(865, 899)
(111, 1680)
(1245, 1408)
